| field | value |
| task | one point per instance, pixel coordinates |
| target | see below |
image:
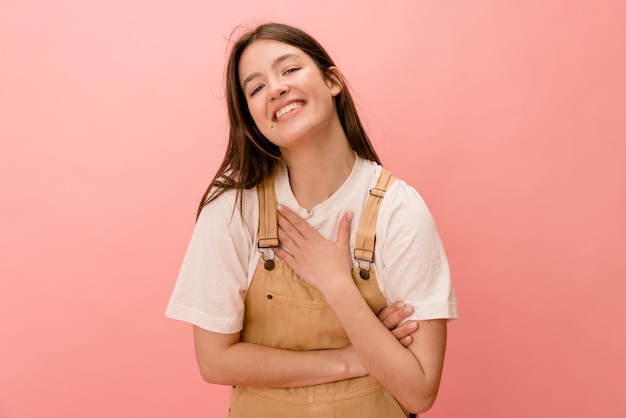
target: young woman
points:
(308, 256)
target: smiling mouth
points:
(284, 111)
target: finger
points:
(343, 235)
(389, 310)
(289, 237)
(397, 314)
(296, 222)
(405, 330)
(286, 243)
(285, 237)
(406, 341)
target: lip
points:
(282, 105)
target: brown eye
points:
(291, 70)
(256, 90)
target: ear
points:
(334, 80)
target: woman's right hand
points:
(393, 316)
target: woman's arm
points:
(412, 375)
(223, 359)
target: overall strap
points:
(268, 222)
(366, 234)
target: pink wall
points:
(508, 116)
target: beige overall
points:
(283, 311)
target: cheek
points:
(257, 113)
(260, 119)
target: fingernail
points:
(280, 208)
(349, 217)
(408, 309)
(412, 325)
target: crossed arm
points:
(224, 359)
(412, 375)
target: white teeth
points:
(284, 110)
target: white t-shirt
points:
(410, 261)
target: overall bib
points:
(283, 311)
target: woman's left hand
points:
(323, 264)
(393, 317)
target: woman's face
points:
(287, 95)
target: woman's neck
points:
(318, 172)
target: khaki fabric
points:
(283, 311)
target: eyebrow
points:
(276, 62)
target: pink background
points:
(507, 116)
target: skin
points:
(319, 159)
(412, 375)
(310, 138)
(223, 359)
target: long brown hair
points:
(250, 156)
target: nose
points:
(277, 90)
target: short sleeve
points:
(415, 268)
(212, 281)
